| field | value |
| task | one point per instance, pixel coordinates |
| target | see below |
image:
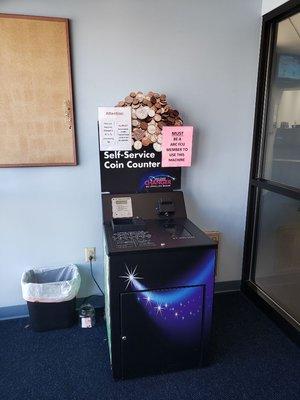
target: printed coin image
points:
(151, 113)
(157, 147)
(138, 134)
(144, 125)
(140, 97)
(153, 138)
(141, 113)
(178, 122)
(151, 129)
(128, 99)
(159, 139)
(138, 145)
(146, 141)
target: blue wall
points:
(203, 54)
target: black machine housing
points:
(159, 280)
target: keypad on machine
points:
(123, 240)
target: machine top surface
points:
(149, 221)
(156, 235)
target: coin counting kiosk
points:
(158, 270)
(159, 281)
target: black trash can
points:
(48, 316)
(51, 296)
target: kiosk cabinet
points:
(159, 276)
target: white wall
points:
(269, 5)
(204, 55)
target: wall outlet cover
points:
(89, 252)
(214, 235)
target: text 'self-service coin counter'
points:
(159, 278)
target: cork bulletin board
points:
(36, 106)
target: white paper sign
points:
(121, 207)
(114, 128)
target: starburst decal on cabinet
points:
(130, 276)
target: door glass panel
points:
(282, 151)
(277, 270)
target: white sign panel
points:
(121, 207)
(114, 128)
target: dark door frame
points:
(256, 182)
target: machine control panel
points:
(123, 240)
(149, 221)
(160, 235)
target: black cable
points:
(91, 268)
(92, 274)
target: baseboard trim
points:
(227, 286)
(21, 311)
(12, 312)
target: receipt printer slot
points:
(127, 224)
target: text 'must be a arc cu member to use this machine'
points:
(159, 274)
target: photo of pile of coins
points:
(150, 113)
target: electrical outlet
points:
(89, 252)
(215, 236)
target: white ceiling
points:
(269, 5)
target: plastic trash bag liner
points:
(51, 285)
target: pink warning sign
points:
(177, 146)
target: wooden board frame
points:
(74, 162)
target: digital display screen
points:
(289, 67)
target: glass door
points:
(272, 245)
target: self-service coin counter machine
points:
(159, 281)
